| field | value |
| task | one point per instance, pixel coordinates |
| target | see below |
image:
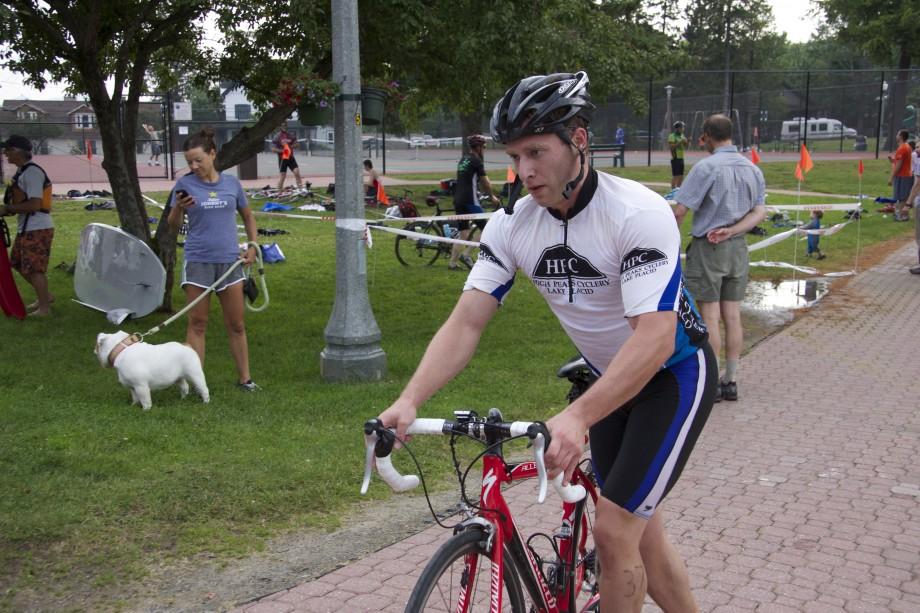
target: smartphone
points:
(181, 193)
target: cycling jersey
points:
(617, 255)
(469, 169)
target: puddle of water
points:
(768, 305)
(785, 295)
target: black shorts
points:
(288, 164)
(639, 450)
(677, 167)
(469, 209)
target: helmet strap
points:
(513, 195)
(571, 185)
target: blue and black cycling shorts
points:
(639, 450)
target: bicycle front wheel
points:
(418, 251)
(581, 584)
(460, 571)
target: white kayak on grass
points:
(117, 271)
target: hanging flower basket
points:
(373, 103)
(312, 115)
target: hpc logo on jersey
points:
(487, 255)
(559, 265)
(641, 261)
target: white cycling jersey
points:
(616, 256)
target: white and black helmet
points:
(541, 104)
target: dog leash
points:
(188, 307)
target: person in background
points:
(211, 200)
(371, 180)
(677, 142)
(814, 239)
(285, 144)
(29, 197)
(726, 193)
(901, 178)
(620, 137)
(914, 199)
(471, 175)
(156, 145)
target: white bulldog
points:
(143, 367)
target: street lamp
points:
(667, 113)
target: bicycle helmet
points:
(678, 124)
(475, 140)
(541, 104)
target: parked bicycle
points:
(420, 251)
(486, 564)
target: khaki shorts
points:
(31, 251)
(717, 273)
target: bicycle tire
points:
(413, 252)
(432, 595)
(582, 581)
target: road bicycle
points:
(486, 564)
(424, 251)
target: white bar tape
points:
(418, 235)
(423, 425)
(398, 482)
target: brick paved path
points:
(801, 496)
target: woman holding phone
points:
(211, 200)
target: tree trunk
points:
(251, 141)
(164, 245)
(132, 214)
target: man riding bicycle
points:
(605, 254)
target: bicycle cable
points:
(421, 476)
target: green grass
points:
(95, 491)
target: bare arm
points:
(177, 211)
(30, 205)
(914, 190)
(753, 217)
(643, 355)
(487, 187)
(249, 222)
(680, 211)
(448, 353)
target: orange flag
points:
(382, 195)
(755, 157)
(804, 164)
(89, 150)
(510, 176)
(860, 168)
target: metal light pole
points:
(667, 113)
(353, 350)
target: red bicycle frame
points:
(505, 536)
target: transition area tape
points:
(437, 238)
(806, 208)
(468, 217)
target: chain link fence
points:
(845, 113)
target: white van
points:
(819, 128)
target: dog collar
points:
(124, 344)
